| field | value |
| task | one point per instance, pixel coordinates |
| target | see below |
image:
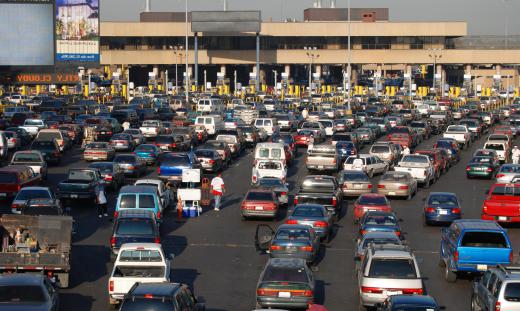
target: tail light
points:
(412, 291)
(158, 170)
(306, 248)
(13, 140)
(334, 201)
(430, 210)
(111, 286)
(157, 240)
(113, 241)
(371, 290)
(456, 256)
(403, 187)
(211, 161)
(295, 201)
(334, 161)
(116, 213)
(108, 177)
(283, 193)
(381, 187)
(511, 255)
(363, 232)
(266, 292)
(15, 206)
(173, 145)
(131, 167)
(291, 222)
(497, 306)
(489, 169)
(320, 224)
(455, 210)
(398, 233)
(275, 247)
(254, 178)
(370, 186)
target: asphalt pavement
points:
(215, 253)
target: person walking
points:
(218, 188)
(516, 155)
(126, 125)
(305, 113)
(406, 151)
(310, 145)
(102, 203)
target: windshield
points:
(49, 135)
(481, 160)
(499, 147)
(96, 146)
(510, 169)
(125, 159)
(270, 165)
(164, 139)
(415, 159)
(392, 268)
(18, 294)
(82, 175)
(443, 200)
(355, 176)
(270, 182)
(390, 176)
(293, 234)
(380, 220)
(139, 272)
(380, 149)
(484, 239)
(204, 153)
(176, 161)
(372, 200)
(308, 211)
(33, 122)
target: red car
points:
(302, 138)
(401, 135)
(504, 129)
(502, 203)
(260, 203)
(370, 202)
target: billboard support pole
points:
(257, 82)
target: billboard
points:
(77, 31)
(27, 33)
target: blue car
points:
(379, 222)
(141, 198)
(171, 165)
(441, 207)
(147, 152)
(451, 145)
(345, 149)
(408, 302)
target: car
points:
(137, 135)
(28, 193)
(23, 135)
(397, 184)
(507, 172)
(165, 194)
(98, 151)
(171, 165)
(388, 270)
(27, 291)
(148, 152)
(134, 226)
(112, 173)
(144, 197)
(260, 203)
(268, 168)
(385, 221)
(289, 241)
(32, 158)
(285, 283)
(498, 287)
(409, 302)
(313, 215)
(131, 164)
(367, 163)
(370, 202)
(302, 138)
(122, 142)
(49, 149)
(209, 159)
(482, 167)
(502, 202)
(354, 183)
(374, 238)
(345, 149)
(161, 296)
(13, 141)
(441, 207)
(277, 185)
(221, 147)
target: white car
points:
(165, 194)
(419, 166)
(151, 128)
(329, 126)
(367, 163)
(33, 126)
(137, 262)
(269, 168)
(460, 133)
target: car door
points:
(481, 288)
(263, 237)
(489, 299)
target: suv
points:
(497, 289)
(161, 297)
(387, 270)
(134, 226)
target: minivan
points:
(141, 198)
(210, 105)
(270, 151)
(270, 125)
(212, 123)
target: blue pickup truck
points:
(171, 165)
(473, 245)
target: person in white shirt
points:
(218, 188)
(516, 155)
(406, 151)
(126, 125)
(305, 113)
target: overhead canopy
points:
(226, 21)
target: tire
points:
(441, 263)
(449, 275)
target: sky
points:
(484, 17)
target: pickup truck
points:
(151, 128)
(322, 158)
(43, 245)
(137, 262)
(419, 166)
(473, 245)
(460, 133)
(33, 126)
(269, 168)
(171, 165)
(81, 184)
(502, 203)
(401, 135)
(440, 163)
(323, 190)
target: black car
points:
(160, 297)
(165, 114)
(408, 302)
(134, 226)
(27, 291)
(25, 137)
(49, 149)
(114, 176)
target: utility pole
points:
(435, 55)
(312, 54)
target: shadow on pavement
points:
(89, 262)
(186, 276)
(79, 302)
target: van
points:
(210, 105)
(141, 198)
(212, 123)
(50, 134)
(270, 151)
(270, 125)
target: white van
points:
(270, 125)
(270, 151)
(210, 105)
(212, 123)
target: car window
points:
(484, 239)
(259, 196)
(135, 227)
(292, 234)
(146, 201)
(512, 292)
(33, 194)
(308, 211)
(496, 288)
(146, 255)
(128, 201)
(392, 268)
(21, 294)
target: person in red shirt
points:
(218, 188)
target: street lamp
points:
(349, 60)
(275, 73)
(435, 55)
(177, 52)
(187, 48)
(312, 54)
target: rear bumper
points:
(394, 193)
(70, 195)
(479, 174)
(441, 218)
(502, 219)
(473, 268)
(290, 303)
(307, 256)
(254, 213)
(355, 192)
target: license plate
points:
(95, 158)
(3, 194)
(393, 292)
(358, 186)
(391, 193)
(103, 133)
(481, 267)
(502, 218)
(119, 144)
(443, 212)
(164, 147)
(291, 248)
(320, 166)
(284, 294)
(74, 196)
(259, 208)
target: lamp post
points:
(187, 48)
(349, 60)
(177, 52)
(435, 55)
(312, 54)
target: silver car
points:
(354, 183)
(497, 287)
(388, 270)
(374, 238)
(507, 172)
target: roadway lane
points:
(215, 252)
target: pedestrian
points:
(126, 125)
(406, 151)
(305, 113)
(102, 203)
(516, 155)
(218, 188)
(358, 163)
(311, 143)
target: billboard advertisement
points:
(27, 33)
(77, 31)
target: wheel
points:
(450, 275)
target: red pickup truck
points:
(401, 135)
(502, 203)
(440, 163)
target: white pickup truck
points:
(151, 128)
(419, 166)
(269, 168)
(137, 262)
(460, 133)
(33, 126)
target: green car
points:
(482, 167)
